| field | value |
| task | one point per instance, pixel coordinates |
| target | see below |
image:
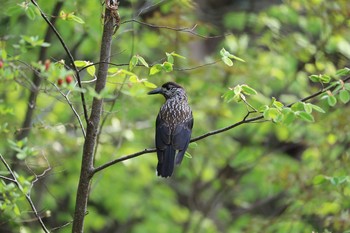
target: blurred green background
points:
(261, 177)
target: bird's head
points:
(169, 90)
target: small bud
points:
(1, 64)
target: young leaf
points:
(236, 58)
(91, 70)
(155, 69)
(168, 67)
(306, 116)
(77, 19)
(248, 90)
(308, 107)
(79, 63)
(142, 60)
(133, 62)
(238, 89)
(288, 117)
(149, 84)
(331, 100)
(325, 78)
(317, 108)
(227, 61)
(170, 58)
(344, 96)
(343, 72)
(314, 78)
(228, 96)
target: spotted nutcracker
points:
(173, 127)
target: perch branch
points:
(214, 132)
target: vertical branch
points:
(87, 166)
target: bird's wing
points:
(181, 138)
(165, 151)
(162, 134)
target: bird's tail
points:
(166, 159)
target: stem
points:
(87, 166)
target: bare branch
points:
(214, 132)
(186, 30)
(19, 186)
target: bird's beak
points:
(155, 91)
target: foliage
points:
(286, 173)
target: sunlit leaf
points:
(344, 96)
(331, 100)
(155, 69)
(133, 62)
(142, 60)
(79, 63)
(306, 116)
(91, 70)
(248, 90)
(168, 67)
(227, 61)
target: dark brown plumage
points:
(173, 127)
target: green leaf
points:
(288, 117)
(142, 60)
(314, 78)
(343, 72)
(306, 116)
(298, 106)
(227, 61)
(228, 96)
(325, 78)
(76, 19)
(168, 67)
(236, 58)
(331, 100)
(277, 104)
(188, 155)
(317, 108)
(113, 70)
(347, 86)
(79, 63)
(133, 62)
(271, 114)
(344, 96)
(308, 107)
(237, 89)
(3, 54)
(319, 179)
(149, 84)
(177, 55)
(91, 70)
(133, 79)
(224, 53)
(170, 58)
(248, 90)
(155, 69)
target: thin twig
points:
(187, 30)
(214, 132)
(27, 196)
(69, 55)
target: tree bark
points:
(87, 166)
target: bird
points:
(174, 125)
